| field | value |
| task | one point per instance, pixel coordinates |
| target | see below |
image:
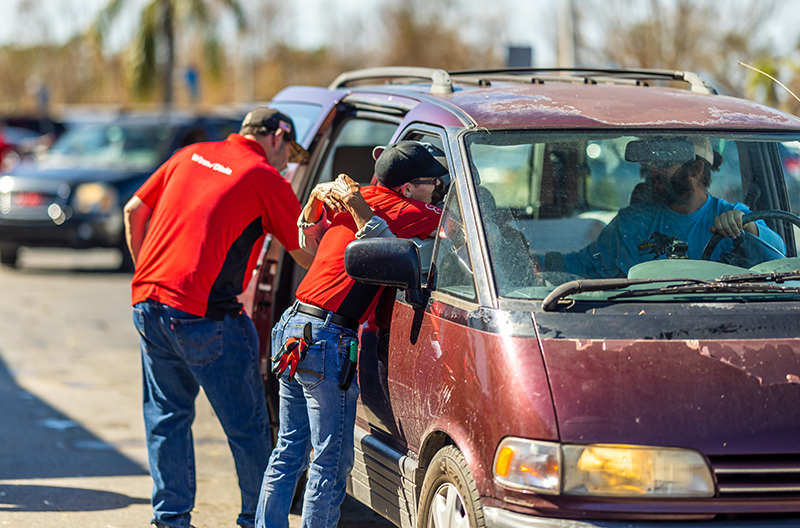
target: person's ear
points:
(406, 190)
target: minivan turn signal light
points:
(527, 464)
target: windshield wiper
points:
(773, 276)
(577, 286)
(708, 287)
(742, 283)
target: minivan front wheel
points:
(449, 497)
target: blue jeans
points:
(182, 352)
(314, 413)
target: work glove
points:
(291, 353)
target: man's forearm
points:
(136, 216)
(310, 233)
(312, 212)
(134, 237)
(359, 209)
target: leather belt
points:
(321, 313)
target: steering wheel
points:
(746, 219)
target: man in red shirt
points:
(195, 229)
(315, 413)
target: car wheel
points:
(449, 497)
(9, 255)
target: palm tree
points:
(154, 47)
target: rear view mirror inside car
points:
(660, 151)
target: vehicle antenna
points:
(771, 77)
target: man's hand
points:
(324, 193)
(345, 188)
(729, 225)
(348, 193)
(342, 194)
(319, 198)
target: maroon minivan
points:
(519, 383)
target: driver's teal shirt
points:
(628, 239)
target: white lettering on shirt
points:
(433, 208)
(197, 158)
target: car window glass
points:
(513, 265)
(423, 137)
(790, 160)
(453, 268)
(223, 130)
(351, 151)
(558, 207)
(108, 145)
(192, 136)
(444, 183)
(303, 115)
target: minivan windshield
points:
(558, 207)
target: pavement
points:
(72, 451)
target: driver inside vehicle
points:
(679, 212)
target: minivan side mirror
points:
(390, 262)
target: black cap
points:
(408, 160)
(272, 119)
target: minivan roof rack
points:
(592, 75)
(441, 80)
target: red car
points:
(527, 381)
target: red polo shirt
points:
(213, 204)
(327, 285)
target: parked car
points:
(510, 393)
(73, 195)
(20, 144)
(22, 138)
(40, 125)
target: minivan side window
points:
(303, 114)
(351, 152)
(452, 270)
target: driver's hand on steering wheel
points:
(729, 225)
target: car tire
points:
(9, 256)
(449, 496)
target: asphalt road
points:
(72, 451)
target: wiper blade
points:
(773, 276)
(577, 286)
(709, 287)
(740, 283)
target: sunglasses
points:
(429, 181)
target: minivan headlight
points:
(94, 198)
(602, 469)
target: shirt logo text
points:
(197, 158)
